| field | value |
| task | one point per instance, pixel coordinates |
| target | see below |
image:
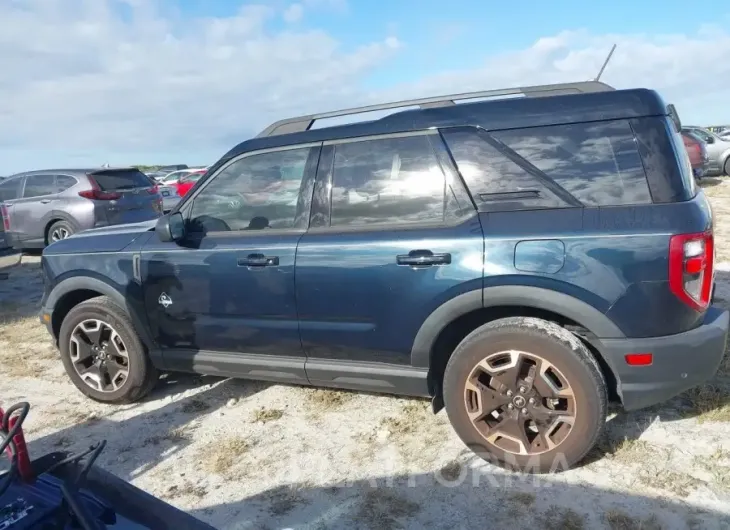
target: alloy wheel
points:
(520, 402)
(99, 355)
(59, 234)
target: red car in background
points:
(188, 181)
(697, 151)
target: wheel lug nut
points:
(509, 393)
(510, 406)
(524, 411)
(522, 389)
(532, 401)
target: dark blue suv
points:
(520, 261)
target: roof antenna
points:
(605, 63)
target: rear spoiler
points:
(674, 116)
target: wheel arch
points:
(446, 326)
(54, 217)
(73, 291)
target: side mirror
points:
(170, 227)
(710, 140)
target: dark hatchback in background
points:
(40, 207)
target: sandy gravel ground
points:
(242, 454)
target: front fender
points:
(74, 284)
(509, 295)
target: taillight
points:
(154, 189)
(96, 194)
(6, 217)
(691, 267)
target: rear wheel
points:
(525, 394)
(59, 230)
(102, 353)
(726, 167)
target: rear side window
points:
(121, 179)
(590, 164)
(9, 189)
(387, 181)
(499, 180)
(597, 163)
(39, 185)
(64, 182)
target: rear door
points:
(393, 236)
(134, 198)
(33, 210)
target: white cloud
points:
(85, 85)
(294, 13)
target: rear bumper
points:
(680, 361)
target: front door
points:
(394, 235)
(223, 299)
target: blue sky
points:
(153, 81)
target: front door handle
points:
(258, 260)
(46, 201)
(422, 258)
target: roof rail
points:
(304, 123)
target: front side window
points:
(387, 181)
(256, 192)
(39, 185)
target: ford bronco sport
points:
(520, 261)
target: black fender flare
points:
(77, 283)
(509, 295)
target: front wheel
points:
(102, 353)
(525, 394)
(726, 167)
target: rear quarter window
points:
(119, 180)
(588, 164)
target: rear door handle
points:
(258, 260)
(46, 201)
(422, 258)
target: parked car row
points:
(174, 185)
(712, 149)
(41, 207)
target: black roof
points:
(501, 114)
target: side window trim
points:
(187, 205)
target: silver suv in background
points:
(718, 150)
(40, 207)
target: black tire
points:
(62, 229)
(726, 167)
(142, 375)
(561, 349)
